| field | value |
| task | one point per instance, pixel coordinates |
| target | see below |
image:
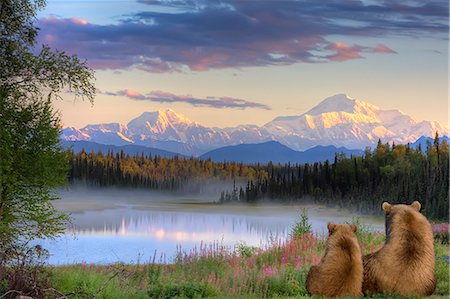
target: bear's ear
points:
(331, 228)
(353, 227)
(386, 207)
(416, 205)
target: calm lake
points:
(114, 225)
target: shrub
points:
(244, 250)
(302, 226)
(26, 274)
(183, 290)
(441, 233)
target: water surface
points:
(111, 226)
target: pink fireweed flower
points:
(283, 260)
(211, 277)
(268, 271)
(298, 262)
(440, 228)
(307, 259)
(315, 259)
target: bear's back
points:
(405, 264)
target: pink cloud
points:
(61, 21)
(79, 21)
(130, 93)
(382, 48)
(343, 52)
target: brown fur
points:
(340, 271)
(405, 264)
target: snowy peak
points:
(339, 102)
(163, 118)
(337, 108)
(112, 127)
(175, 118)
(343, 103)
(166, 124)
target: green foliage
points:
(182, 290)
(290, 282)
(221, 274)
(363, 233)
(244, 250)
(442, 268)
(32, 163)
(441, 233)
(398, 174)
(154, 172)
(88, 281)
(302, 226)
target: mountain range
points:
(247, 153)
(272, 151)
(276, 153)
(339, 120)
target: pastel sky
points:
(229, 62)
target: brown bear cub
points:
(405, 264)
(340, 271)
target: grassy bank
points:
(215, 271)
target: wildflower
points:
(283, 260)
(307, 260)
(269, 271)
(440, 228)
(298, 262)
(315, 259)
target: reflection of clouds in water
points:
(182, 226)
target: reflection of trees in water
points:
(169, 224)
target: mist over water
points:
(116, 225)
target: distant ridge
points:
(275, 152)
(130, 149)
(246, 153)
(422, 141)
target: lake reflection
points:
(112, 231)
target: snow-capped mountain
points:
(342, 121)
(163, 129)
(338, 120)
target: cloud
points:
(382, 48)
(167, 97)
(79, 21)
(177, 36)
(344, 52)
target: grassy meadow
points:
(212, 270)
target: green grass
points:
(88, 281)
(442, 269)
(213, 271)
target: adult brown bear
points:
(340, 271)
(405, 264)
